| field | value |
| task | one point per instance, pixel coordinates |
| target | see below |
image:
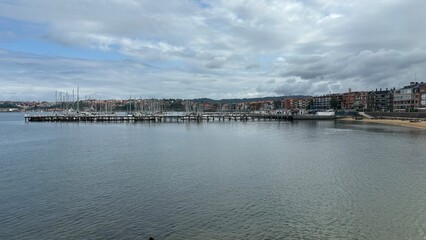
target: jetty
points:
(156, 117)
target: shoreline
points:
(402, 123)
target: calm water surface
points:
(232, 180)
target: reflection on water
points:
(228, 180)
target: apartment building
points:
(422, 96)
(380, 100)
(355, 100)
(409, 97)
(325, 102)
(296, 103)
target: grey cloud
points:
(294, 86)
(324, 45)
(216, 62)
(251, 66)
(284, 87)
(367, 69)
(308, 66)
(381, 25)
(35, 76)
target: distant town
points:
(410, 98)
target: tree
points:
(334, 103)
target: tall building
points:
(380, 100)
(325, 102)
(296, 103)
(355, 100)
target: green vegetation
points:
(334, 103)
(8, 105)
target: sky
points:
(208, 48)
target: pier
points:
(156, 118)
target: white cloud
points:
(221, 48)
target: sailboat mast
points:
(78, 100)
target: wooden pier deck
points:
(157, 118)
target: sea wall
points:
(398, 114)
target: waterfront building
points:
(296, 103)
(325, 102)
(355, 100)
(321, 102)
(422, 96)
(267, 105)
(380, 100)
(409, 97)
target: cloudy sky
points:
(202, 48)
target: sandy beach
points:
(404, 123)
